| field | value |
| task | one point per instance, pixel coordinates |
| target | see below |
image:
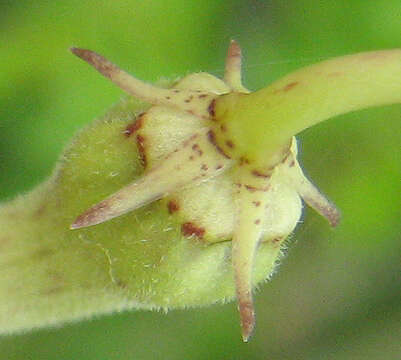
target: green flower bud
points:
(201, 189)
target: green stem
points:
(262, 122)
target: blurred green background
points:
(338, 292)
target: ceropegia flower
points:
(225, 158)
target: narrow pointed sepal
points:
(197, 160)
(251, 207)
(190, 101)
(310, 193)
(232, 74)
(317, 201)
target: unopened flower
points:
(224, 159)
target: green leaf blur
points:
(337, 294)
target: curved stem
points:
(263, 121)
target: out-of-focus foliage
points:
(338, 293)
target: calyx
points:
(193, 164)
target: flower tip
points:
(74, 226)
(234, 48)
(84, 54)
(77, 51)
(247, 315)
(80, 222)
(99, 62)
(334, 217)
(246, 337)
(247, 333)
(97, 214)
(87, 55)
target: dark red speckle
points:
(230, 144)
(257, 173)
(210, 109)
(196, 147)
(243, 161)
(290, 86)
(135, 126)
(172, 206)
(251, 188)
(276, 241)
(190, 228)
(189, 99)
(140, 141)
(212, 138)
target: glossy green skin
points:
(139, 260)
